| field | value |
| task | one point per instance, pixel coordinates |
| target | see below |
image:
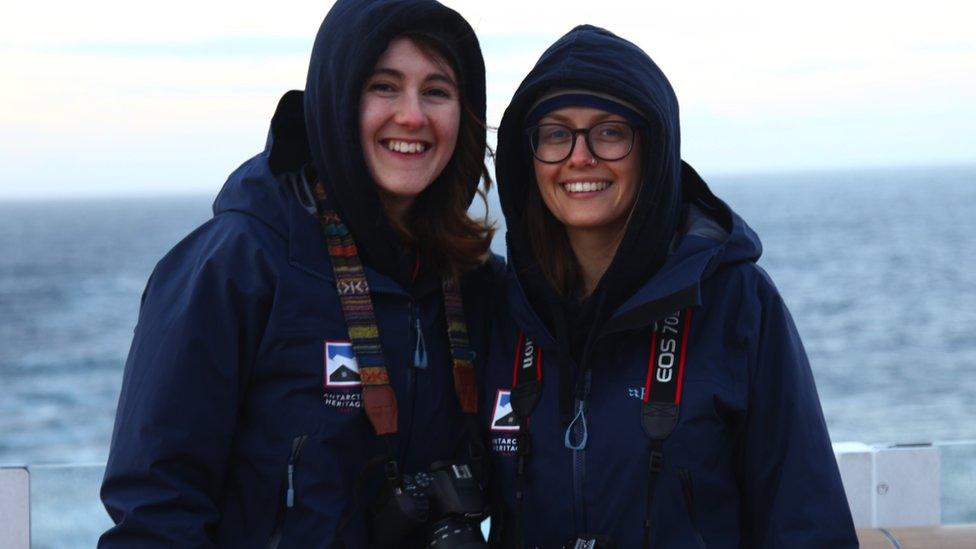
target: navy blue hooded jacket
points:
(239, 424)
(749, 463)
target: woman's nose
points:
(409, 111)
(581, 155)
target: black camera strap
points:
(662, 394)
(526, 391)
(659, 412)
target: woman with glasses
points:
(647, 387)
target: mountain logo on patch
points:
(503, 418)
(341, 368)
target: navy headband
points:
(583, 98)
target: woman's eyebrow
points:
(440, 77)
(596, 119)
(434, 76)
(387, 72)
(554, 119)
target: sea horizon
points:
(876, 266)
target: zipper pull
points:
(577, 429)
(420, 351)
(290, 494)
(296, 450)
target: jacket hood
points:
(256, 189)
(595, 59)
(350, 40)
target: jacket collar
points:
(703, 247)
(676, 285)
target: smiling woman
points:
(661, 396)
(408, 123)
(292, 361)
(589, 188)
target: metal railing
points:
(888, 486)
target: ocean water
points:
(877, 267)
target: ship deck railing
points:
(901, 496)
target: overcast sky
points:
(110, 97)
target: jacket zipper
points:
(418, 361)
(296, 449)
(689, 497)
(419, 348)
(575, 439)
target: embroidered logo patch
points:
(503, 418)
(341, 368)
(341, 378)
(504, 425)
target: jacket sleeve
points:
(201, 319)
(792, 491)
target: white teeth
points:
(586, 186)
(406, 147)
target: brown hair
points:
(550, 245)
(438, 226)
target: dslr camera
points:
(444, 505)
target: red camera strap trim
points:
(527, 365)
(669, 352)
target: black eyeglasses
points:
(553, 143)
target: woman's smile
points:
(406, 147)
(585, 188)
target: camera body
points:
(445, 503)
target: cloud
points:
(120, 21)
(225, 47)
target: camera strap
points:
(465, 382)
(526, 391)
(378, 397)
(662, 394)
(659, 411)
(379, 400)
